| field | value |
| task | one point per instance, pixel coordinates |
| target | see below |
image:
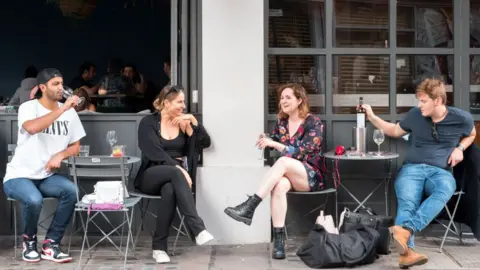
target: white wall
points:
(233, 113)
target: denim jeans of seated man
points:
(30, 193)
(414, 183)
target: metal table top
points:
(367, 156)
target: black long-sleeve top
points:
(153, 152)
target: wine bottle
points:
(360, 114)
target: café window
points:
(356, 76)
(361, 24)
(425, 24)
(296, 24)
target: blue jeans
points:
(30, 194)
(413, 183)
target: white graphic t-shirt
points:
(34, 151)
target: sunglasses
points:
(434, 132)
(174, 89)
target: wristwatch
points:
(461, 147)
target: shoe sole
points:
(278, 258)
(417, 263)
(48, 258)
(31, 260)
(238, 218)
(401, 249)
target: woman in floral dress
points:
(298, 136)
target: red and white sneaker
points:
(30, 253)
(51, 251)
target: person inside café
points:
(170, 140)
(134, 77)
(298, 136)
(26, 85)
(86, 106)
(84, 79)
(439, 135)
(48, 132)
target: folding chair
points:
(182, 228)
(451, 221)
(41, 223)
(103, 168)
(13, 208)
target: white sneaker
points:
(161, 256)
(203, 237)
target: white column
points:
(233, 114)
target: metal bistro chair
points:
(13, 208)
(182, 228)
(451, 216)
(103, 168)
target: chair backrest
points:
(11, 151)
(98, 168)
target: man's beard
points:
(53, 96)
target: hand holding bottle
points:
(367, 109)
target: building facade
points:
(339, 50)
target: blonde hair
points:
(433, 88)
(300, 93)
(169, 93)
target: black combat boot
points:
(278, 243)
(244, 211)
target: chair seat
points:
(325, 191)
(143, 195)
(45, 198)
(129, 202)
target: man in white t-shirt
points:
(48, 132)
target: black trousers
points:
(170, 183)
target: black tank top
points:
(175, 147)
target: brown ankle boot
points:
(400, 237)
(411, 258)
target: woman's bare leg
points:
(278, 202)
(288, 167)
(285, 167)
(296, 178)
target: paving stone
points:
(238, 257)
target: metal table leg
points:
(388, 178)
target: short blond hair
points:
(434, 88)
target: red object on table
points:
(339, 150)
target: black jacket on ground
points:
(467, 173)
(153, 152)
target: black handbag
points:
(368, 218)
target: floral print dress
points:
(305, 146)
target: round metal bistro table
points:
(386, 157)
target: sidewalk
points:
(244, 257)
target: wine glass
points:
(378, 138)
(261, 136)
(111, 138)
(68, 92)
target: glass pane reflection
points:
(425, 24)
